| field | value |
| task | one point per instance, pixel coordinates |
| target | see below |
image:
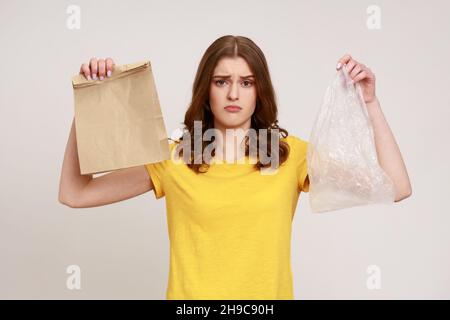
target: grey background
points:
(122, 249)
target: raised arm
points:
(388, 152)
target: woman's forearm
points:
(71, 182)
(388, 152)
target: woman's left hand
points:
(360, 73)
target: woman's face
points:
(232, 84)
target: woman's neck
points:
(230, 144)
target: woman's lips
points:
(233, 108)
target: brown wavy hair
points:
(266, 111)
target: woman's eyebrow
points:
(227, 76)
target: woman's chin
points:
(233, 124)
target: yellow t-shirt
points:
(230, 228)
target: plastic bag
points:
(343, 168)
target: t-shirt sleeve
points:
(302, 165)
(157, 171)
(303, 178)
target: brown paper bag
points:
(118, 120)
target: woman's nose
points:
(233, 94)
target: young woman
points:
(229, 224)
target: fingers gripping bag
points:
(343, 167)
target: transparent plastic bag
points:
(342, 162)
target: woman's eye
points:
(245, 83)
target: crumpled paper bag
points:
(118, 120)
(343, 167)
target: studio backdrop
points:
(122, 250)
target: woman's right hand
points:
(97, 69)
